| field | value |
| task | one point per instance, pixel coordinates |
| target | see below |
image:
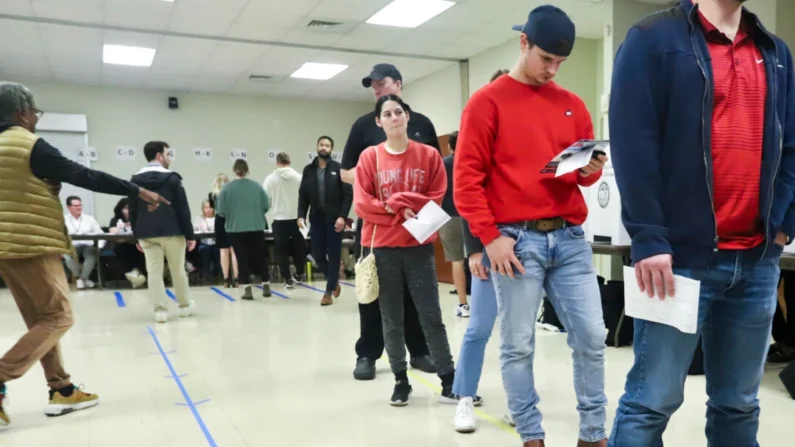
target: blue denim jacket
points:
(660, 128)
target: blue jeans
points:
(735, 315)
(326, 248)
(483, 309)
(559, 262)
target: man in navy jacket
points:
(702, 121)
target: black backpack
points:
(620, 327)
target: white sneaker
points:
(187, 311)
(465, 421)
(509, 420)
(81, 284)
(462, 310)
(89, 284)
(161, 316)
(136, 278)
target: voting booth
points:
(604, 210)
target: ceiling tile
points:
(256, 32)
(257, 17)
(333, 11)
(24, 35)
(292, 7)
(193, 11)
(185, 48)
(132, 39)
(61, 40)
(137, 16)
(18, 7)
(205, 27)
(53, 9)
(217, 3)
(308, 37)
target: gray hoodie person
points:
(282, 187)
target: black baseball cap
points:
(381, 71)
(550, 29)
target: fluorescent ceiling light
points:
(124, 55)
(409, 13)
(314, 70)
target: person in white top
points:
(79, 223)
(282, 187)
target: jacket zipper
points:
(706, 163)
(780, 143)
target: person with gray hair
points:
(282, 188)
(32, 241)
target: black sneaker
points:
(780, 358)
(365, 369)
(298, 279)
(448, 397)
(266, 290)
(247, 295)
(400, 397)
(290, 284)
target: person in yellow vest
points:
(33, 237)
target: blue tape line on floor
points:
(171, 295)
(280, 295)
(119, 299)
(347, 284)
(313, 288)
(184, 392)
(222, 293)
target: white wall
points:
(439, 95)
(120, 117)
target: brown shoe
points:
(535, 443)
(337, 291)
(602, 443)
(327, 300)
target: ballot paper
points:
(575, 157)
(679, 311)
(428, 221)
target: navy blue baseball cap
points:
(550, 29)
(380, 72)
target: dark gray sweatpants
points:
(414, 266)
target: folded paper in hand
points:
(428, 221)
(679, 311)
(575, 157)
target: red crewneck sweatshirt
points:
(509, 132)
(407, 180)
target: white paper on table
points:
(575, 157)
(679, 311)
(428, 221)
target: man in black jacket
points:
(385, 79)
(330, 199)
(166, 231)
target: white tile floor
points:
(277, 372)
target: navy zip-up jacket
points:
(660, 128)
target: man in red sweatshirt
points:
(530, 222)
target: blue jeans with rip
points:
(559, 262)
(483, 314)
(735, 316)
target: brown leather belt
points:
(543, 225)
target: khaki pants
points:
(173, 249)
(41, 292)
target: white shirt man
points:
(282, 187)
(79, 223)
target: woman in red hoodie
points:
(394, 180)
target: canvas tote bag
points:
(367, 286)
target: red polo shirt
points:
(738, 117)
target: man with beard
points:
(702, 123)
(329, 201)
(385, 79)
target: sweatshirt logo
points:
(568, 113)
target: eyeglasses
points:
(39, 113)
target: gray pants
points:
(413, 266)
(89, 254)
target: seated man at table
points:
(79, 223)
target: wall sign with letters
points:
(125, 153)
(203, 154)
